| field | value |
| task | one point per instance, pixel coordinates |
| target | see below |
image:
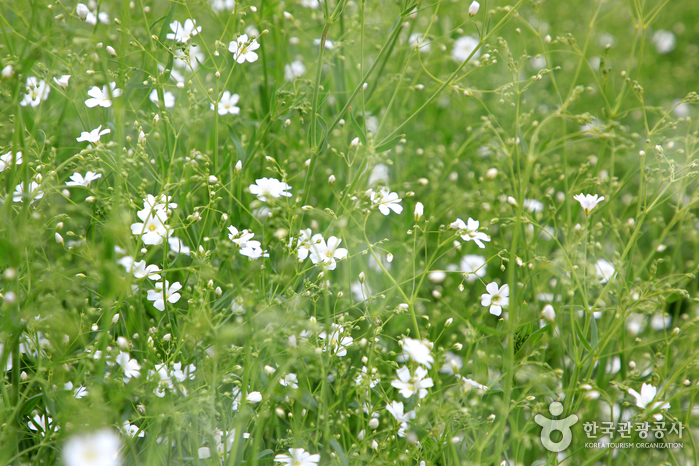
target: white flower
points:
(418, 40)
(294, 70)
(417, 351)
(290, 380)
(267, 189)
(303, 244)
(533, 205)
(226, 104)
(496, 298)
(326, 254)
(62, 81)
(7, 72)
(605, 270)
(37, 92)
(130, 430)
(167, 96)
(469, 232)
(548, 313)
(470, 383)
(409, 385)
(396, 409)
(336, 342)
(94, 135)
(181, 375)
(141, 270)
(463, 47)
(452, 363)
(588, 201)
(248, 247)
(254, 397)
(99, 448)
(42, 424)
(298, 457)
(386, 200)
(222, 5)
(170, 294)
(153, 229)
(7, 159)
(419, 211)
(82, 10)
(473, 8)
(34, 193)
(646, 397)
(131, 368)
(379, 174)
(474, 266)
(664, 41)
(243, 49)
(102, 97)
(78, 180)
(176, 245)
(312, 4)
(182, 33)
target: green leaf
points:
(582, 338)
(358, 129)
(594, 337)
(166, 24)
(384, 146)
(264, 453)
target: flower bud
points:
(111, 51)
(548, 313)
(473, 9)
(59, 238)
(82, 11)
(419, 211)
(238, 167)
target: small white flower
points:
(62, 81)
(463, 47)
(290, 380)
(473, 8)
(496, 298)
(37, 92)
(226, 104)
(298, 457)
(548, 313)
(7, 159)
(417, 351)
(418, 40)
(33, 193)
(533, 205)
(131, 368)
(644, 400)
(267, 189)
(222, 5)
(153, 229)
(469, 232)
(176, 245)
(474, 266)
(94, 135)
(408, 384)
(294, 70)
(664, 41)
(386, 200)
(396, 409)
(130, 430)
(328, 253)
(336, 342)
(101, 448)
(254, 397)
(312, 4)
(244, 240)
(170, 294)
(419, 211)
(588, 202)
(78, 180)
(243, 49)
(167, 96)
(303, 244)
(82, 10)
(42, 424)
(470, 383)
(102, 97)
(182, 33)
(141, 270)
(605, 270)
(7, 72)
